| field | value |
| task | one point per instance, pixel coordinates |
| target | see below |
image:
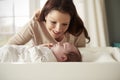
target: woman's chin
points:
(56, 36)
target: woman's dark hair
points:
(76, 26)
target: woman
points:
(58, 21)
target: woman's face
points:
(57, 24)
(61, 49)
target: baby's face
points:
(61, 49)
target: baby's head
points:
(66, 52)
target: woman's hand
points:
(47, 45)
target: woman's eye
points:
(64, 24)
(53, 22)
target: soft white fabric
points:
(100, 54)
(14, 53)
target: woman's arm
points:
(23, 36)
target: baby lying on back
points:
(60, 52)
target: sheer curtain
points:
(96, 23)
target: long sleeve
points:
(23, 36)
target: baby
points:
(66, 52)
(60, 52)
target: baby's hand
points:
(47, 45)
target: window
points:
(13, 15)
(6, 13)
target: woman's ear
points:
(46, 17)
(63, 58)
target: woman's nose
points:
(58, 28)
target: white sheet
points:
(100, 54)
(25, 54)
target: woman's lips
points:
(56, 33)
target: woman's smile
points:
(57, 23)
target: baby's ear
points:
(63, 58)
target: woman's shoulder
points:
(34, 21)
(36, 15)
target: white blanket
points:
(14, 53)
(100, 54)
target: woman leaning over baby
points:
(58, 21)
